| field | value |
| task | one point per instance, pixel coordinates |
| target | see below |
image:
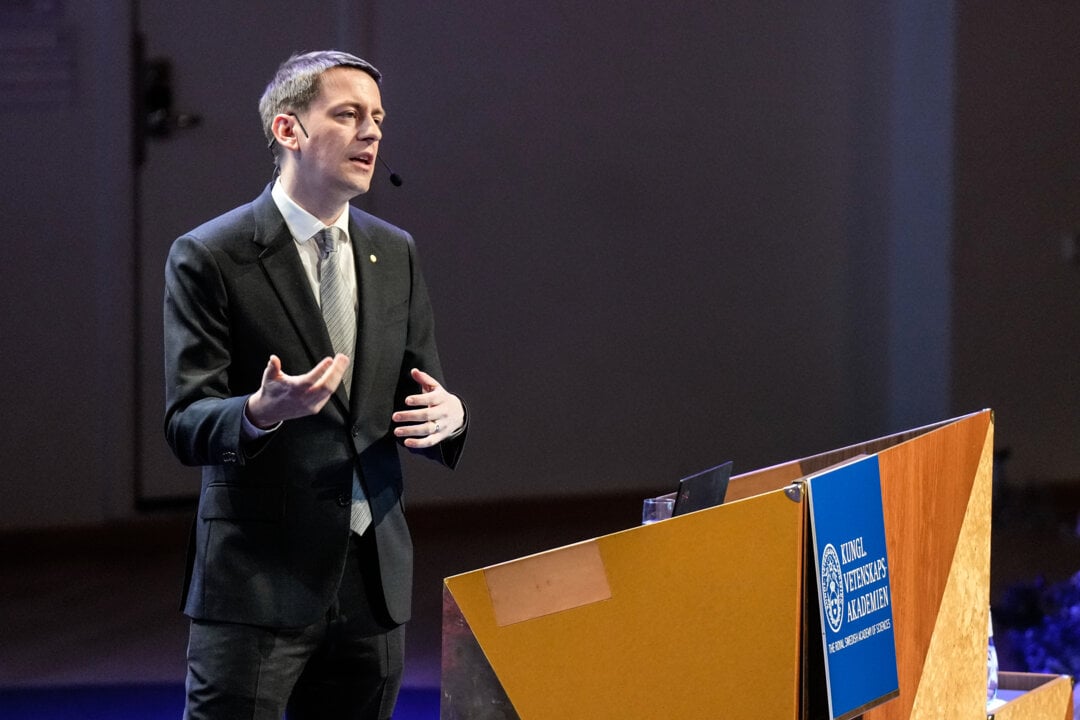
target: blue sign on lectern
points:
(853, 587)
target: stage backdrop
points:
(656, 238)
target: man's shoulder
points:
(238, 221)
(243, 222)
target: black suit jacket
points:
(270, 536)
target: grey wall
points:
(656, 238)
(66, 281)
(663, 236)
(1017, 309)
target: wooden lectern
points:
(714, 614)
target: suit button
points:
(343, 500)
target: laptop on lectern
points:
(702, 490)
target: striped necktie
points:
(339, 313)
(338, 305)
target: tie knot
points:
(326, 240)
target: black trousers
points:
(347, 666)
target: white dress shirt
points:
(303, 226)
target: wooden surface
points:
(936, 492)
(1048, 697)
(703, 621)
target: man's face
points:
(337, 157)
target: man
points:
(299, 351)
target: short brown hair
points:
(296, 84)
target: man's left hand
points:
(438, 414)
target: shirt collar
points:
(302, 224)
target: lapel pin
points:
(373, 259)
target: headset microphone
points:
(395, 179)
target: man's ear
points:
(285, 129)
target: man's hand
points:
(439, 414)
(284, 397)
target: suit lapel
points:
(286, 275)
(368, 345)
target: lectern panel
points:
(702, 620)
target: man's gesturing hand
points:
(439, 414)
(284, 397)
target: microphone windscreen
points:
(395, 179)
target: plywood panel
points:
(927, 484)
(954, 672)
(703, 621)
(1048, 697)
